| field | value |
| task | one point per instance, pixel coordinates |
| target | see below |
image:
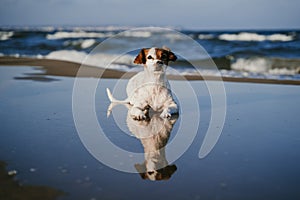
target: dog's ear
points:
(172, 56)
(141, 168)
(166, 173)
(141, 58)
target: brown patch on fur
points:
(165, 55)
(172, 56)
(141, 57)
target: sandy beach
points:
(256, 156)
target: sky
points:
(189, 14)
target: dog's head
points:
(156, 175)
(155, 58)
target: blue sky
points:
(199, 14)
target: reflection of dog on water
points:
(154, 133)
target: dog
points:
(154, 133)
(150, 88)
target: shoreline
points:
(70, 69)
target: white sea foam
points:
(67, 55)
(284, 71)
(84, 34)
(122, 62)
(256, 65)
(96, 28)
(77, 34)
(262, 66)
(138, 34)
(205, 36)
(173, 36)
(82, 43)
(87, 43)
(245, 36)
(5, 35)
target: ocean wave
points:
(83, 44)
(5, 35)
(77, 34)
(84, 34)
(67, 55)
(119, 62)
(205, 36)
(137, 34)
(246, 36)
(272, 66)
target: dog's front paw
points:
(165, 114)
(137, 113)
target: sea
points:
(267, 54)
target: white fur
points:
(149, 88)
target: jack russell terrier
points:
(150, 88)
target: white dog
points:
(150, 88)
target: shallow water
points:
(256, 156)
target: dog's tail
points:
(113, 100)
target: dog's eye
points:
(150, 57)
(163, 56)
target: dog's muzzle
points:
(159, 62)
(159, 66)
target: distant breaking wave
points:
(5, 35)
(123, 63)
(81, 43)
(79, 34)
(205, 36)
(84, 34)
(263, 65)
(245, 36)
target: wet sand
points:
(256, 157)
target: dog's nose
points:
(159, 62)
